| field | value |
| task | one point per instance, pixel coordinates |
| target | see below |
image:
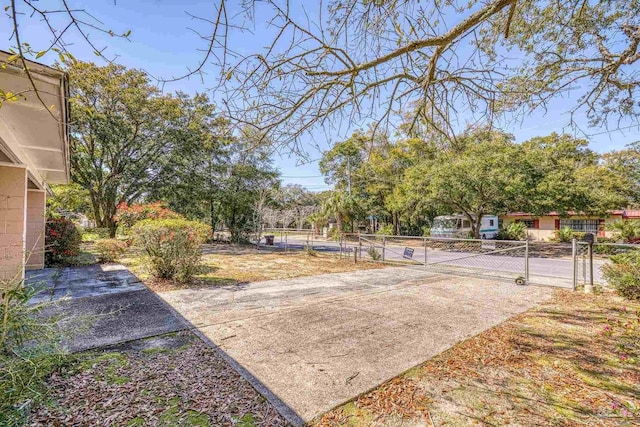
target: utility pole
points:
(349, 173)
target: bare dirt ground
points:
(573, 361)
(163, 381)
(226, 264)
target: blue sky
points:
(163, 44)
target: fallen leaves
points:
(192, 385)
(551, 366)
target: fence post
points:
(574, 262)
(526, 261)
(286, 248)
(425, 252)
(589, 289)
(384, 245)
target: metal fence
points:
(493, 258)
(567, 265)
(591, 261)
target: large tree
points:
(121, 127)
(192, 174)
(625, 166)
(480, 180)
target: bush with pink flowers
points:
(62, 242)
(128, 215)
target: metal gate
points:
(473, 257)
(591, 261)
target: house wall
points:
(547, 225)
(13, 206)
(36, 205)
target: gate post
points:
(425, 252)
(526, 261)
(574, 262)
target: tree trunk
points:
(212, 212)
(477, 226)
(97, 212)
(397, 221)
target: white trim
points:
(13, 165)
(32, 147)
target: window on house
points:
(466, 224)
(529, 223)
(581, 225)
(491, 223)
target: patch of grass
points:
(107, 367)
(247, 420)
(137, 421)
(173, 416)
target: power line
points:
(611, 131)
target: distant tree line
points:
(406, 181)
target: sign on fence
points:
(408, 253)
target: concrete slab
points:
(318, 341)
(112, 318)
(101, 305)
(78, 282)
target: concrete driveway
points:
(315, 342)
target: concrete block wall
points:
(36, 205)
(13, 205)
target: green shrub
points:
(30, 352)
(109, 250)
(566, 235)
(333, 233)
(62, 242)
(374, 253)
(513, 231)
(173, 246)
(623, 273)
(426, 230)
(387, 229)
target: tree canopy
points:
(444, 63)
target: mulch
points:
(155, 388)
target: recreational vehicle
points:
(459, 226)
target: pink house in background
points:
(545, 226)
(34, 151)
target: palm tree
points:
(627, 230)
(342, 207)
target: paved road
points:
(544, 271)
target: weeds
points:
(374, 253)
(29, 352)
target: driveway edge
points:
(284, 410)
